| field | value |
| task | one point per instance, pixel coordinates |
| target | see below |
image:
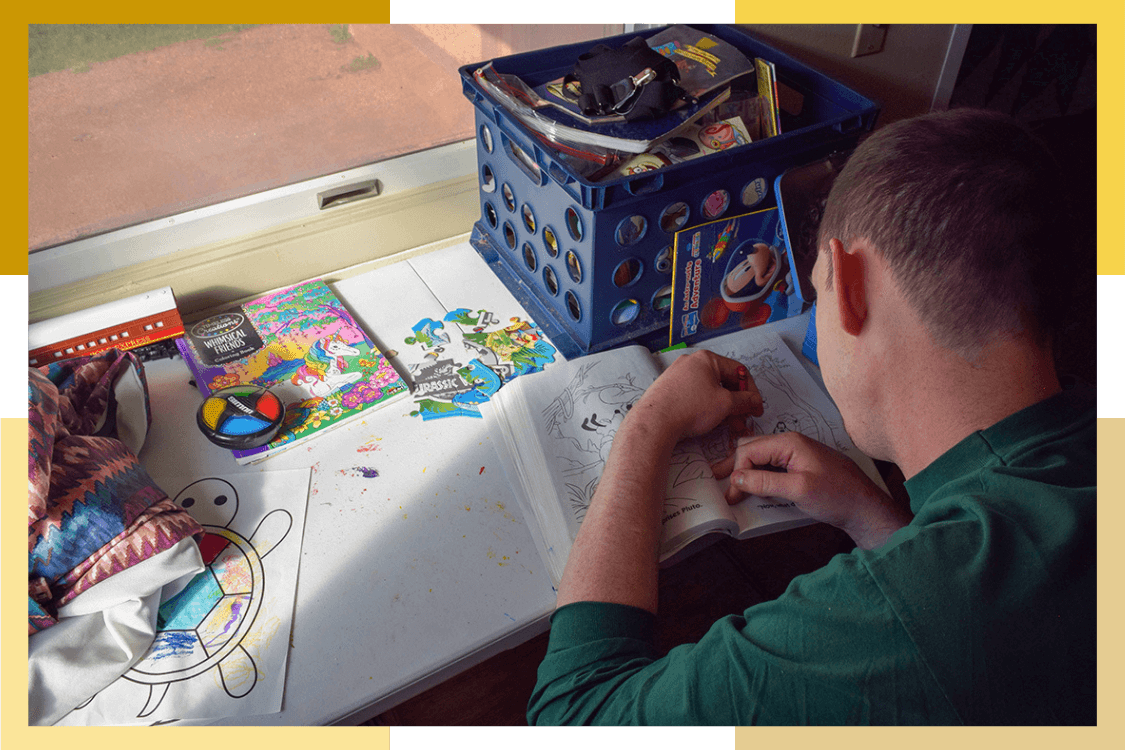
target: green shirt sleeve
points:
(828, 651)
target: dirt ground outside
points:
(154, 133)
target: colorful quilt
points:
(92, 509)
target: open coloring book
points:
(554, 430)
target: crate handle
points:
(574, 190)
(474, 97)
(849, 126)
(646, 184)
(558, 174)
(522, 159)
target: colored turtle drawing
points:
(202, 627)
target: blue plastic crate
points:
(592, 262)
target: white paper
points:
(792, 402)
(559, 450)
(223, 638)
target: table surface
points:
(406, 578)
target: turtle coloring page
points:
(222, 637)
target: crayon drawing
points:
(216, 653)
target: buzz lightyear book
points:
(730, 274)
(301, 343)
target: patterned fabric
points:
(92, 509)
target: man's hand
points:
(614, 555)
(824, 483)
(697, 393)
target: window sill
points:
(332, 243)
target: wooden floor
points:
(722, 579)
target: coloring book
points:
(302, 344)
(554, 429)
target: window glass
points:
(130, 123)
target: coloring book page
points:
(222, 637)
(791, 402)
(583, 443)
(583, 417)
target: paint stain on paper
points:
(370, 445)
(359, 471)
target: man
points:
(936, 280)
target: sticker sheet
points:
(467, 356)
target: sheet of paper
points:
(223, 637)
(555, 429)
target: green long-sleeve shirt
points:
(981, 611)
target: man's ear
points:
(847, 277)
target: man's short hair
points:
(966, 209)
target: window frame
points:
(82, 259)
(90, 270)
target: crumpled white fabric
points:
(105, 630)
(101, 633)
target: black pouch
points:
(613, 81)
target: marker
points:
(743, 379)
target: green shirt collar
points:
(1073, 406)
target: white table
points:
(408, 578)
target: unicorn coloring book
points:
(301, 343)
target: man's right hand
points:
(824, 483)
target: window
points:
(134, 129)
